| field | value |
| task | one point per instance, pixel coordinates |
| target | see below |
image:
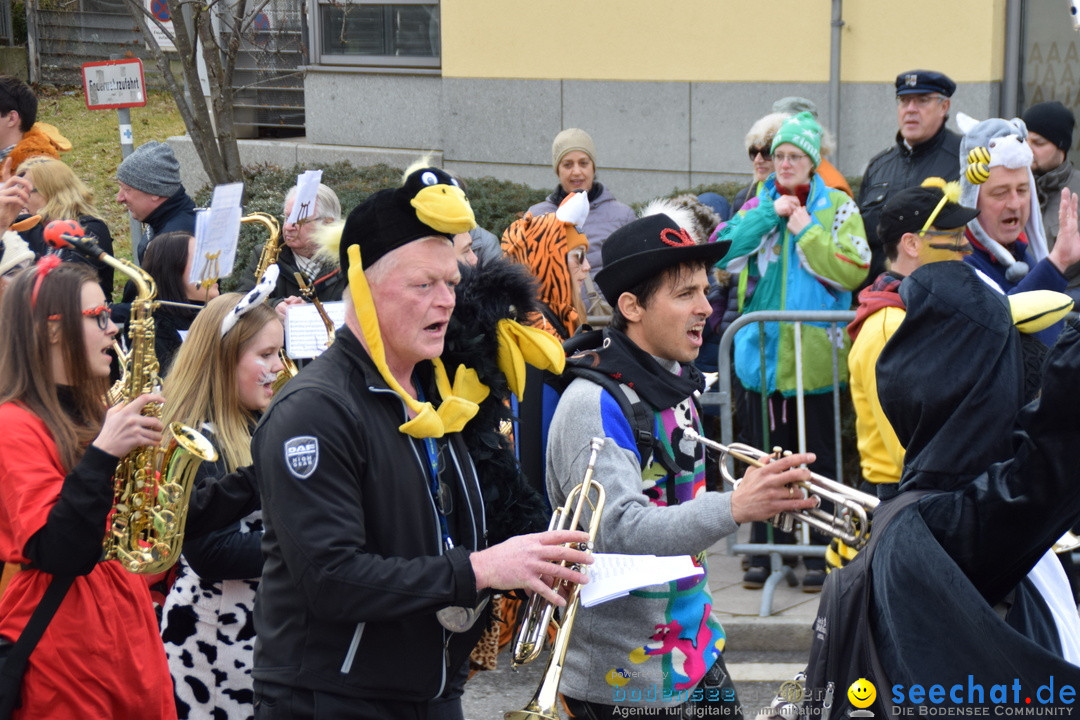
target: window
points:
(356, 32)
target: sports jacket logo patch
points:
(302, 456)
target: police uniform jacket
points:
(897, 168)
(356, 566)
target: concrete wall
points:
(651, 137)
(666, 93)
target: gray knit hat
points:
(568, 141)
(152, 168)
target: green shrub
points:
(496, 203)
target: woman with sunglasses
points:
(799, 245)
(101, 655)
(220, 383)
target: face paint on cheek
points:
(265, 377)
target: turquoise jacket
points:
(815, 269)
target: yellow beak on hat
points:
(445, 208)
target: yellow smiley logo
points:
(862, 693)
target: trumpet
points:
(529, 638)
(850, 517)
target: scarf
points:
(625, 362)
(559, 195)
(1052, 181)
(883, 293)
(801, 191)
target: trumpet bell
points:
(1067, 543)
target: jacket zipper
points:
(350, 656)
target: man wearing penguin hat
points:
(377, 570)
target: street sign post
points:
(118, 84)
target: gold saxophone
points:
(268, 257)
(272, 248)
(529, 638)
(152, 484)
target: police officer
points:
(924, 148)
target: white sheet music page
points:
(307, 187)
(305, 333)
(612, 575)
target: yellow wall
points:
(966, 40)
(719, 40)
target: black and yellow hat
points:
(430, 202)
(645, 247)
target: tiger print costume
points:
(541, 244)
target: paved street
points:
(762, 652)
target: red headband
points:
(44, 266)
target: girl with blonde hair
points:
(59, 194)
(220, 382)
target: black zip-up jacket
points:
(355, 567)
(897, 168)
(176, 213)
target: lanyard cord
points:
(436, 487)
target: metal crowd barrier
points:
(721, 398)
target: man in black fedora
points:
(657, 649)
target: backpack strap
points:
(637, 412)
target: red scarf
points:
(801, 191)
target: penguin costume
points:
(988, 486)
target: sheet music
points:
(613, 575)
(305, 333)
(307, 187)
(216, 233)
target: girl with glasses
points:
(101, 654)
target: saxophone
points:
(272, 248)
(268, 257)
(152, 484)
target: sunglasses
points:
(764, 152)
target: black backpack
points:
(842, 649)
(542, 390)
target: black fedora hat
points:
(645, 247)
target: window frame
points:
(360, 62)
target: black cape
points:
(1001, 486)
